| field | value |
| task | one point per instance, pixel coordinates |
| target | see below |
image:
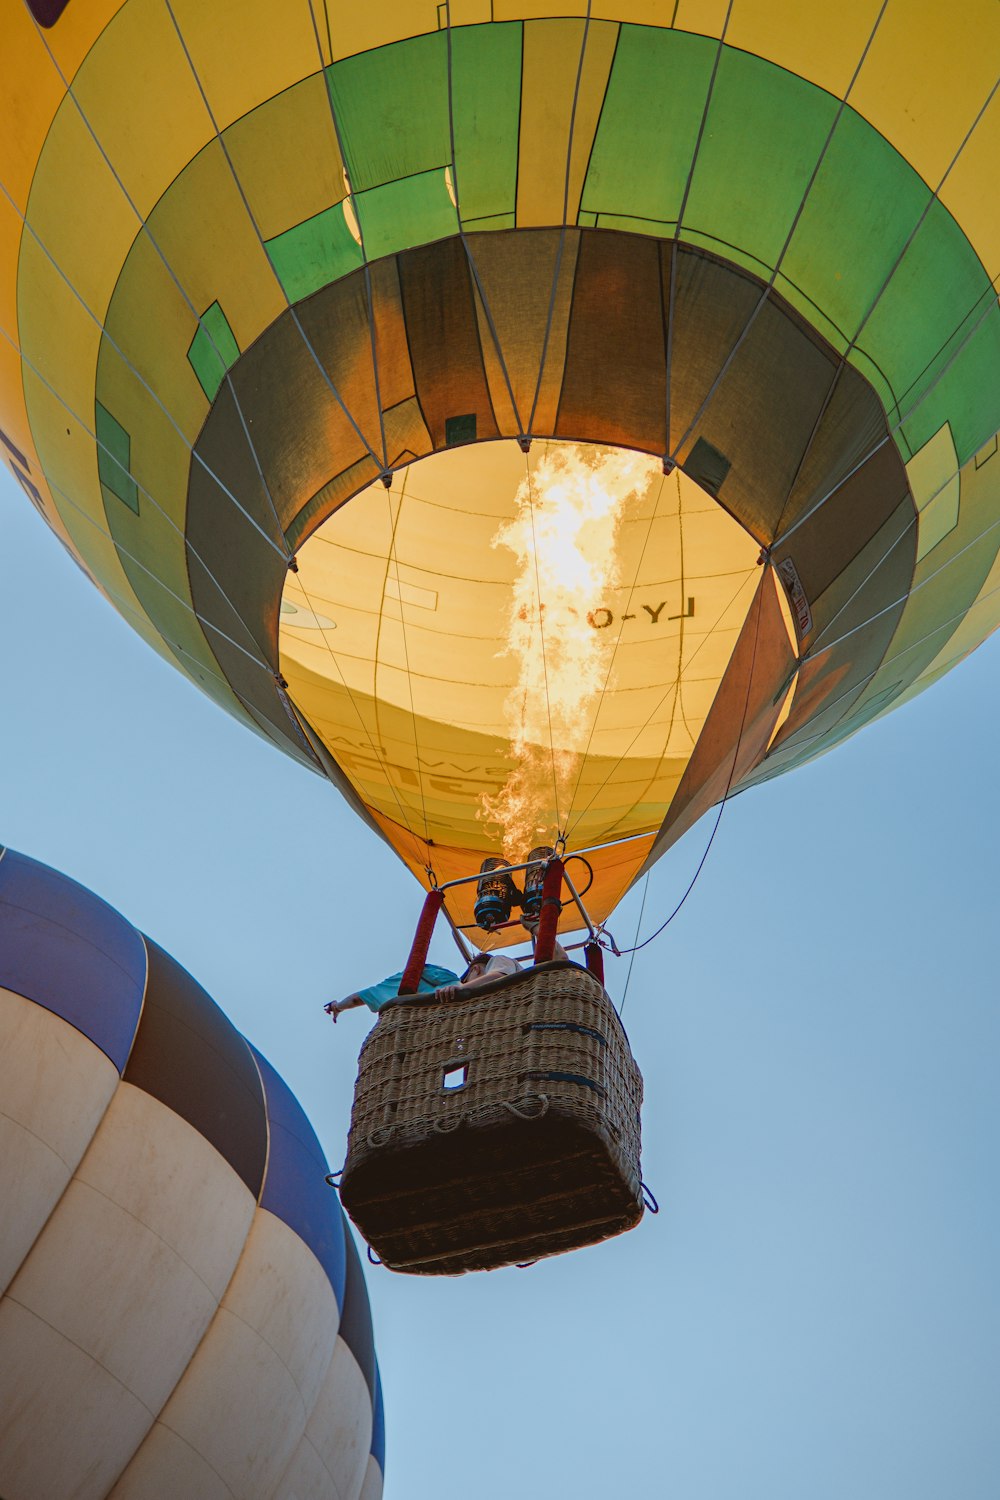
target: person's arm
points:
(349, 1002)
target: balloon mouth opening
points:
(504, 646)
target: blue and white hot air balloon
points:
(182, 1310)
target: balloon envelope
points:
(308, 287)
(182, 1310)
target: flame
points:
(564, 535)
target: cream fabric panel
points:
(67, 1426)
(167, 1468)
(244, 1401)
(372, 1487)
(54, 1087)
(127, 1274)
(340, 1427)
(160, 1169)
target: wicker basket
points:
(496, 1128)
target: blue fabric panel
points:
(67, 950)
(295, 1188)
(190, 1056)
(432, 978)
(378, 1425)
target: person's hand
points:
(448, 992)
(332, 1010)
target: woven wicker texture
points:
(496, 1128)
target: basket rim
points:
(427, 998)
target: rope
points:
(144, 229)
(618, 640)
(369, 303)
(375, 750)
(680, 214)
(522, 1109)
(541, 637)
(282, 550)
(261, 659)
(523, 1114)
(722, 805)
(631, 951)
(263, 245)
(765, 295)
(565, 214)
(470, 258)
(657, 706)
(393, 560)
(782, 539)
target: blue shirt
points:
(377, 995)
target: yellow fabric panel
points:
(927, 76)
(77, 29)
(247, 50)
(13, 414)
(934, 484)
(743, 715)
(80, 215)
(72, 470)
(392, 639)
(287, 157)
(32, 93)
(60, 337)
(126, 104)
(823, 44)
(356, 28)
(551, 60)
(160, 465)
(159, 325)
(707, 17)
(978, 212)
(534, 10)
(64, 349)
(208, 239)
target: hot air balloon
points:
(544, 426)
(182, 1311)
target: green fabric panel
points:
(931, 304)
(762, 140)
(213, 350)
(814, 315)
(314, 253)
(861, 210)
(486, 97)
(655, 98)
(399, 215)
(391, 107)
(113, 457)
(491, 221)
(967, 394)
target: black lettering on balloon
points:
(600, 618)
(654, 614)
(18, 456)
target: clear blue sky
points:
(815, 1312)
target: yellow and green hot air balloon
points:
(540, 419)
